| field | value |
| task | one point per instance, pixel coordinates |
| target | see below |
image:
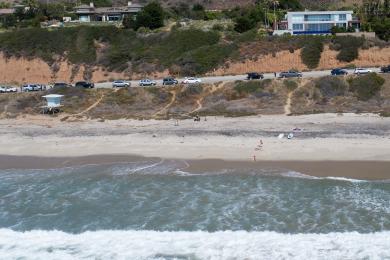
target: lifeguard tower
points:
(53, 104)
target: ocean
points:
(157, 210)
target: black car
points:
(336, 72)
(170, 81)
(60, 85)
(84, 84)
(254, 75)
(385, 69)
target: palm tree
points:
(275, 3)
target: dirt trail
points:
(165, 109)
(80, 114)
(213, 89)
(287, 106)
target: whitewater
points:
(157, 210)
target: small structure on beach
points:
(53, 103)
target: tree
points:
(129, 22)
(198, 12)
(151, 16)
(243, 24)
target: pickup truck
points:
(385, 69)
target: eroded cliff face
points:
(285, 60)
(21, 70)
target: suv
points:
(84, 84)
(336, 72)
(120, 84)
(31, 87)
(254, 75)
(60, 85)
(290, 74)
(170, 81)
(147, 82)
(385, 69)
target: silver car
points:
(120, 84)
(147, 82)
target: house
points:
(90, 13)
(316, 22)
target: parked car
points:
(61, 85)
(385, 69)
(254, 75)
(336, 72)
(31, 87)
(191, 80)
(147, 82)
(2, 89)
(170, 81)
(10, 90)
(360, 71)
(120, 84)
(290, 74)
(84, 84)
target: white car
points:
(192, 80)
(359, 71)
(11, 89)
(120, 84)
(8, 89)
(147, 82)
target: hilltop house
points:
(89, 13)
(316, 22)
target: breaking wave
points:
(191, 245)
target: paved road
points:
(214, 79)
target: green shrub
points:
(367, 86)
(311, 52)
(203, 59)
(291, 85)
(349, 47)
(330, 86)
(249, 87)
(191, 90)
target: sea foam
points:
(192, 245)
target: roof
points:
(53, 96)
(83, 7)
(321, 12)
(7, 11)
(103, 10)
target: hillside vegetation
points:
(370, 93)
(180, 52)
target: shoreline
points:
(361, 170)
(347, 145)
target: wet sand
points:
(364, 170)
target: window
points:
(297, 27)
(342, 17)
(318, 17)
(341, 25)
(321, 27)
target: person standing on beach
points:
(275, 74)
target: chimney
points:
(129, 3)
(91, 5)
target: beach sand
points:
(325, 145)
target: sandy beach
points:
(317, 138)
